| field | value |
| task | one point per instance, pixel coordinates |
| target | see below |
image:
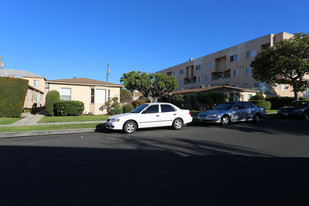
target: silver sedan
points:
(236, 111)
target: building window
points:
(248, 70)
(108, 94)
(65, 94)
(281, 87)
(92, 96)
(198, 67)
(208, 65)
(180, 82)
(175, 73)
(36, 83)
(307, 93)
(235, 72)
(198, 79)
(182, 71)
(250, 53)
(100, 96)
(234, 58)
(206, 78)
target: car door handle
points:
(157, 115)
(174, 114)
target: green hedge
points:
(277, 102)
(12, 96)
(68, 108)
(115, 110)
(52, 97)
(262, 103)
(127, 108)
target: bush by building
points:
(277, 102)
(68, 108)
(127, 108)
(52, 97)
(12, 96)
(262, 103)
(115, 110)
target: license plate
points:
(285, 114)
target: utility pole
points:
(1, 63)
(107, 72)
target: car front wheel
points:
(129, 127)
(306, 115)
(225, 120)
(177, 124)
(257, 118)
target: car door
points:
(150, 117)
(238, 112)
(168, 114)
(249, 111)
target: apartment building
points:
(230, 67)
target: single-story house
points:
(93, 93)
(231, 93)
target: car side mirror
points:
(144, 112)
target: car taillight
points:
(189, 113)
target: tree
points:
(287, 62)
(52, 97)
(151, 85)
(125, 96)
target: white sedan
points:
(150, 115)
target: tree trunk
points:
(295, 90)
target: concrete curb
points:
(48, 132)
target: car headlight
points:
(212, 115)
(115, 120)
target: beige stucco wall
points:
(31, 94)
(83, 93)
(243, 79)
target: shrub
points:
(12, 96)
(258, 97)
(115, 110)
(52, 97)
(125, 96)
(262, 103)
(127, 108)
(277, 102)
(138, 102)
(68, 108)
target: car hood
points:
(125, 115)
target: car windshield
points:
(224, 106)
(298, 104)
(139, 108)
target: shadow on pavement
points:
(150, 175)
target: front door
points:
(168, 114)
(150, 117)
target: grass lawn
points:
(50, 127)
(50, 119)
(8, 120)
(271, 111)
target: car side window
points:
(248, 105)
(239, 105)
(167, 108)
(152, 109)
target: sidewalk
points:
(32, 120)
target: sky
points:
(61, 39)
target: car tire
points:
(177, 124)
(129, 127)
(306, 115)
(257, 118)
(225, 120)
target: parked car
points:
(150, 115)
(295, 109)
(235, 111)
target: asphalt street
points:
(242, 164)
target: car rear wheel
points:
(257, 118)
(177, 124)
(225, 120)
(129, 127)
